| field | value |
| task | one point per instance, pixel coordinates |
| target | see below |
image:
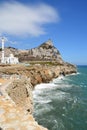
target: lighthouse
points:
(2, 58)
(10, 59)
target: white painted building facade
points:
(11, 59)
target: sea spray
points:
(62, 104)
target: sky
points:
(26, 24)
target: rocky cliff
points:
(16, 105)
(13, 117)
(20, 91)
(16, 102)
(38, 73)
(44, 52)
(20, 80)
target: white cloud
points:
(20, 19)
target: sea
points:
(62, 103)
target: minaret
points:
(2, 59)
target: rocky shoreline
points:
(37, 65)
(23, 80)
(37, 73)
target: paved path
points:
(3, 87)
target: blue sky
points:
(28, 23)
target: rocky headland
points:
(38, 65)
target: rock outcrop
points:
(13, 117)
(16, 111)
(44, 52)
(9, 50)
(17, 105)
(20, 91)
(38, 73)
(17, 115)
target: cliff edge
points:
(16, 106)
(39, 65)
(13, 117)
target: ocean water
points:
(62, 104)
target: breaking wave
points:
(62, 104)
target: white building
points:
(11, 59)
(8, 60)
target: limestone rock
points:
(38, 74)
(9, 50)
(13, 117)
(45, 51)
(20, 92)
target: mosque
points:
(8, 60)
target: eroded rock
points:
(20, 91)
(13, 117)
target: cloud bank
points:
(20, 19)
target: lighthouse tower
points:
(2, 58)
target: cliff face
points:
(16, 105)
(13, 117)
(15, 111)
(44, 52)
(38, 73)
(16, 102)
(20, 91)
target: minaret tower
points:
(2, 59)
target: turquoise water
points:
(62, 104)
